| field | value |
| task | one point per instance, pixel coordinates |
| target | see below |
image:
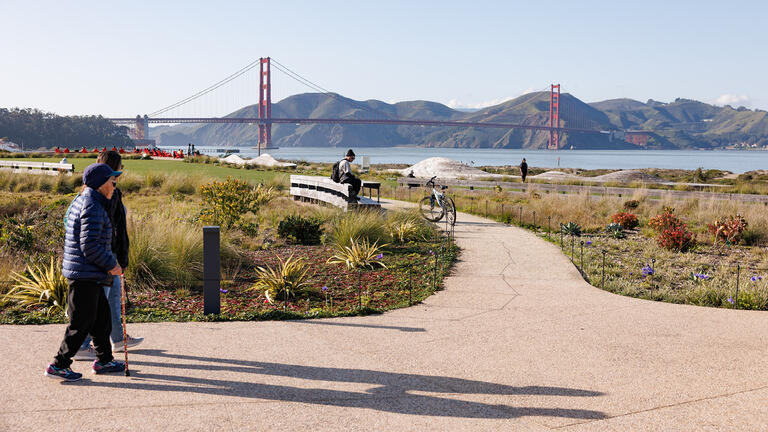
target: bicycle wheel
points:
(450, 211)
(430, 209)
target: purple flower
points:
(754, 278)
(589, 242)
(730, 299)
(325, 288)
(430, 252)
(379, 256)
(223, 290)
(648, 270)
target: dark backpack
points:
(336, 175)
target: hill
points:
(683, 123)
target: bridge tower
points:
(265, 105)
(554, 117)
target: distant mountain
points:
(680, 124)
(687, 123)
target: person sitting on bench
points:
(345, 173)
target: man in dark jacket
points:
(88, 266)
(524, 169)
(117, 216)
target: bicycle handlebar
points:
(431, 181)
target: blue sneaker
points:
(113, 366)
(64, 374)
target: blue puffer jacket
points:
(88, 240)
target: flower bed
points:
(414, 270)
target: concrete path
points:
(517, 341)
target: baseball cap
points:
(97, 174)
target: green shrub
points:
(301, 230)
(571, 228)
(359, 254)
(224, 203)
(754, 297)
(41, 286)
(363, 225)
(753, 237)
(290, 278)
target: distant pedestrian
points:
(120, 244)
(523, 169)
(88, 266)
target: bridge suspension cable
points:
(295, 76)
(207, 89)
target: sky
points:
(125, 58)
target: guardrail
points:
(37, 167)
(322, 189)
(592, 190)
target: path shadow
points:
(382, 327)
(392, 391)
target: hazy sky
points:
(128, 58)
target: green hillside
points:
(683, 123)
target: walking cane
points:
(125, 340)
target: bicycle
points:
(437, 205)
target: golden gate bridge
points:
(264, 120)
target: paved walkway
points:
(517, 341)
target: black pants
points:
(524, 174)
(88, 312)
(355, 182)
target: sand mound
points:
(443, 168)
(627, 176)
(233, 159)
(263, 160)
(556, 176)
(267, 160)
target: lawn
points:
(143, 167)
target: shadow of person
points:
(391, 392)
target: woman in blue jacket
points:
(89, 265)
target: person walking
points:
(346, 175)
(88, 266)
(523, 169)
(120, 243)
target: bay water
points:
(737, 161)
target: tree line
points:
(36, 129)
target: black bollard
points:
(211, 270)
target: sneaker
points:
(88, 354)
(64, 374)
(113, 366)
(132, 342)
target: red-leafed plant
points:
(676, 238)
(626, 220)
(664, 221)
(728, 230)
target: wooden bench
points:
(36, 167)
(323, 189)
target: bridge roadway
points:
(256, 121)
(516, 341)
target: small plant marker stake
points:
(502, 213)
(486, 208)
(549, 226)
(573, 244)
(602, 285)
(410, 285)
(581, 251)
(738, 274)
(360, 288)
(521, 215)
(534, 219)
(434, 271)
(653, 273)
